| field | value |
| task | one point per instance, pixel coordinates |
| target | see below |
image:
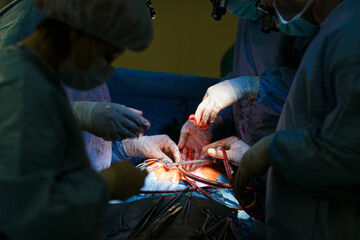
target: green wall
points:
(186, 40)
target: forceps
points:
(208, 219)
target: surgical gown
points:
(314, 185)
(18, 21)
(98, 149)
(47, 187)
(274, 57)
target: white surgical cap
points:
(123, 23)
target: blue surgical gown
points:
(47, 187)
(314, 185)
(275, 57)
(17, 21)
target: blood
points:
(190, 154)
(200, 125)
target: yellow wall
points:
(186, 40)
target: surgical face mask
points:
(98, 73)
(244, 9)
(297, 27)
(289, 15)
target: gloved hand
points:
(157, 147)
(192, 139)
(123, 179)
(224, 94)
(254, 162)
(111, 121)
(234, 148)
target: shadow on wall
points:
(187, 40)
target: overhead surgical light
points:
(219, 9)
(151, 9)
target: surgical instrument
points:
(165, 220)
(170, 165)
(157, 220)
(217, 226)
(186, 210)
(171, 202)
(223, 234)
(118, 226)
(234, 231)
(145, 219)
(208, 218)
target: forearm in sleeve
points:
(328, 154)
(43, 206)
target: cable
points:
(227, 167)
(211, 184)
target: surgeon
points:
(48, 189)
(100, 120)
(314, 156)
(264, 67)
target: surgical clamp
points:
(145, 219)
(223, 234)
(171, 202)
(217, 226)
(186, 210)
(165, 220)
(229, 221)
(208, 218)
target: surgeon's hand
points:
(110, 121)
(192, 139)
(234, 148)
(123, 179)
(254, 162)
(224, 94)
(157, 147)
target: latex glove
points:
(234, 148)
(254, 162)
(224, 94)
(157, 147)
(192, 139)
(123, 179)
(111, 121)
